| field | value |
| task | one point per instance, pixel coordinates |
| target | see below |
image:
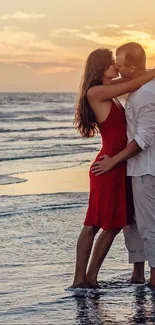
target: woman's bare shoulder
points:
(93, 92)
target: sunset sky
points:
(44, 43)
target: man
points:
(140, 156)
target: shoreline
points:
(73, 179)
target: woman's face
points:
(111, 72)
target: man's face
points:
(124, 70)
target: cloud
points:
(107, 35)
(112, 26)
(53, 70)
(130, 25)
(46, 68)
(17, 46)
(85, 39)
(91, 37)
(98, 39)
(134, 34)
(52, 67)
(38, 54)
(54, 63)
(11, 37)
(65, 49)
(56, 32)
(22, 16)
(102, 27)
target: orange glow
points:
(44, 44)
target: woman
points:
(107, 208)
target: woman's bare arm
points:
(103, 92)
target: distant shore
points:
(74, 179)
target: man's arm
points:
(130, 151)
(107, 163)
(143, 137)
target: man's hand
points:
(103, 166)
(107, 163)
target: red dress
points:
(108, 201)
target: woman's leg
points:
(84, 246)
(100, 251)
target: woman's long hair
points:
(98, 61)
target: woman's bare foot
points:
(83, 285)
(93, 286)
(92, 283)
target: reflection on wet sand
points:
(129, 305)
(144, 302)
(140, 301)
(90, 311)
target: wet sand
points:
(75, 179)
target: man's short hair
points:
(134, 54)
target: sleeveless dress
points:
(108, 192)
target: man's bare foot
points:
(137, 280)
(151, 286)
(138, 273)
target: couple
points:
(128, 149)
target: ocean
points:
(39, 232)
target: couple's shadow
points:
(96, 309)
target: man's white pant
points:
(140, 237)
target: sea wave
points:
(3, 130)
(40, 202)
(69, 150)
(43, 129)
(36, 119)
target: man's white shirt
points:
(140, 117)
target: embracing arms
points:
(105, 92)
(142, 138)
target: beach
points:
(44, 190)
